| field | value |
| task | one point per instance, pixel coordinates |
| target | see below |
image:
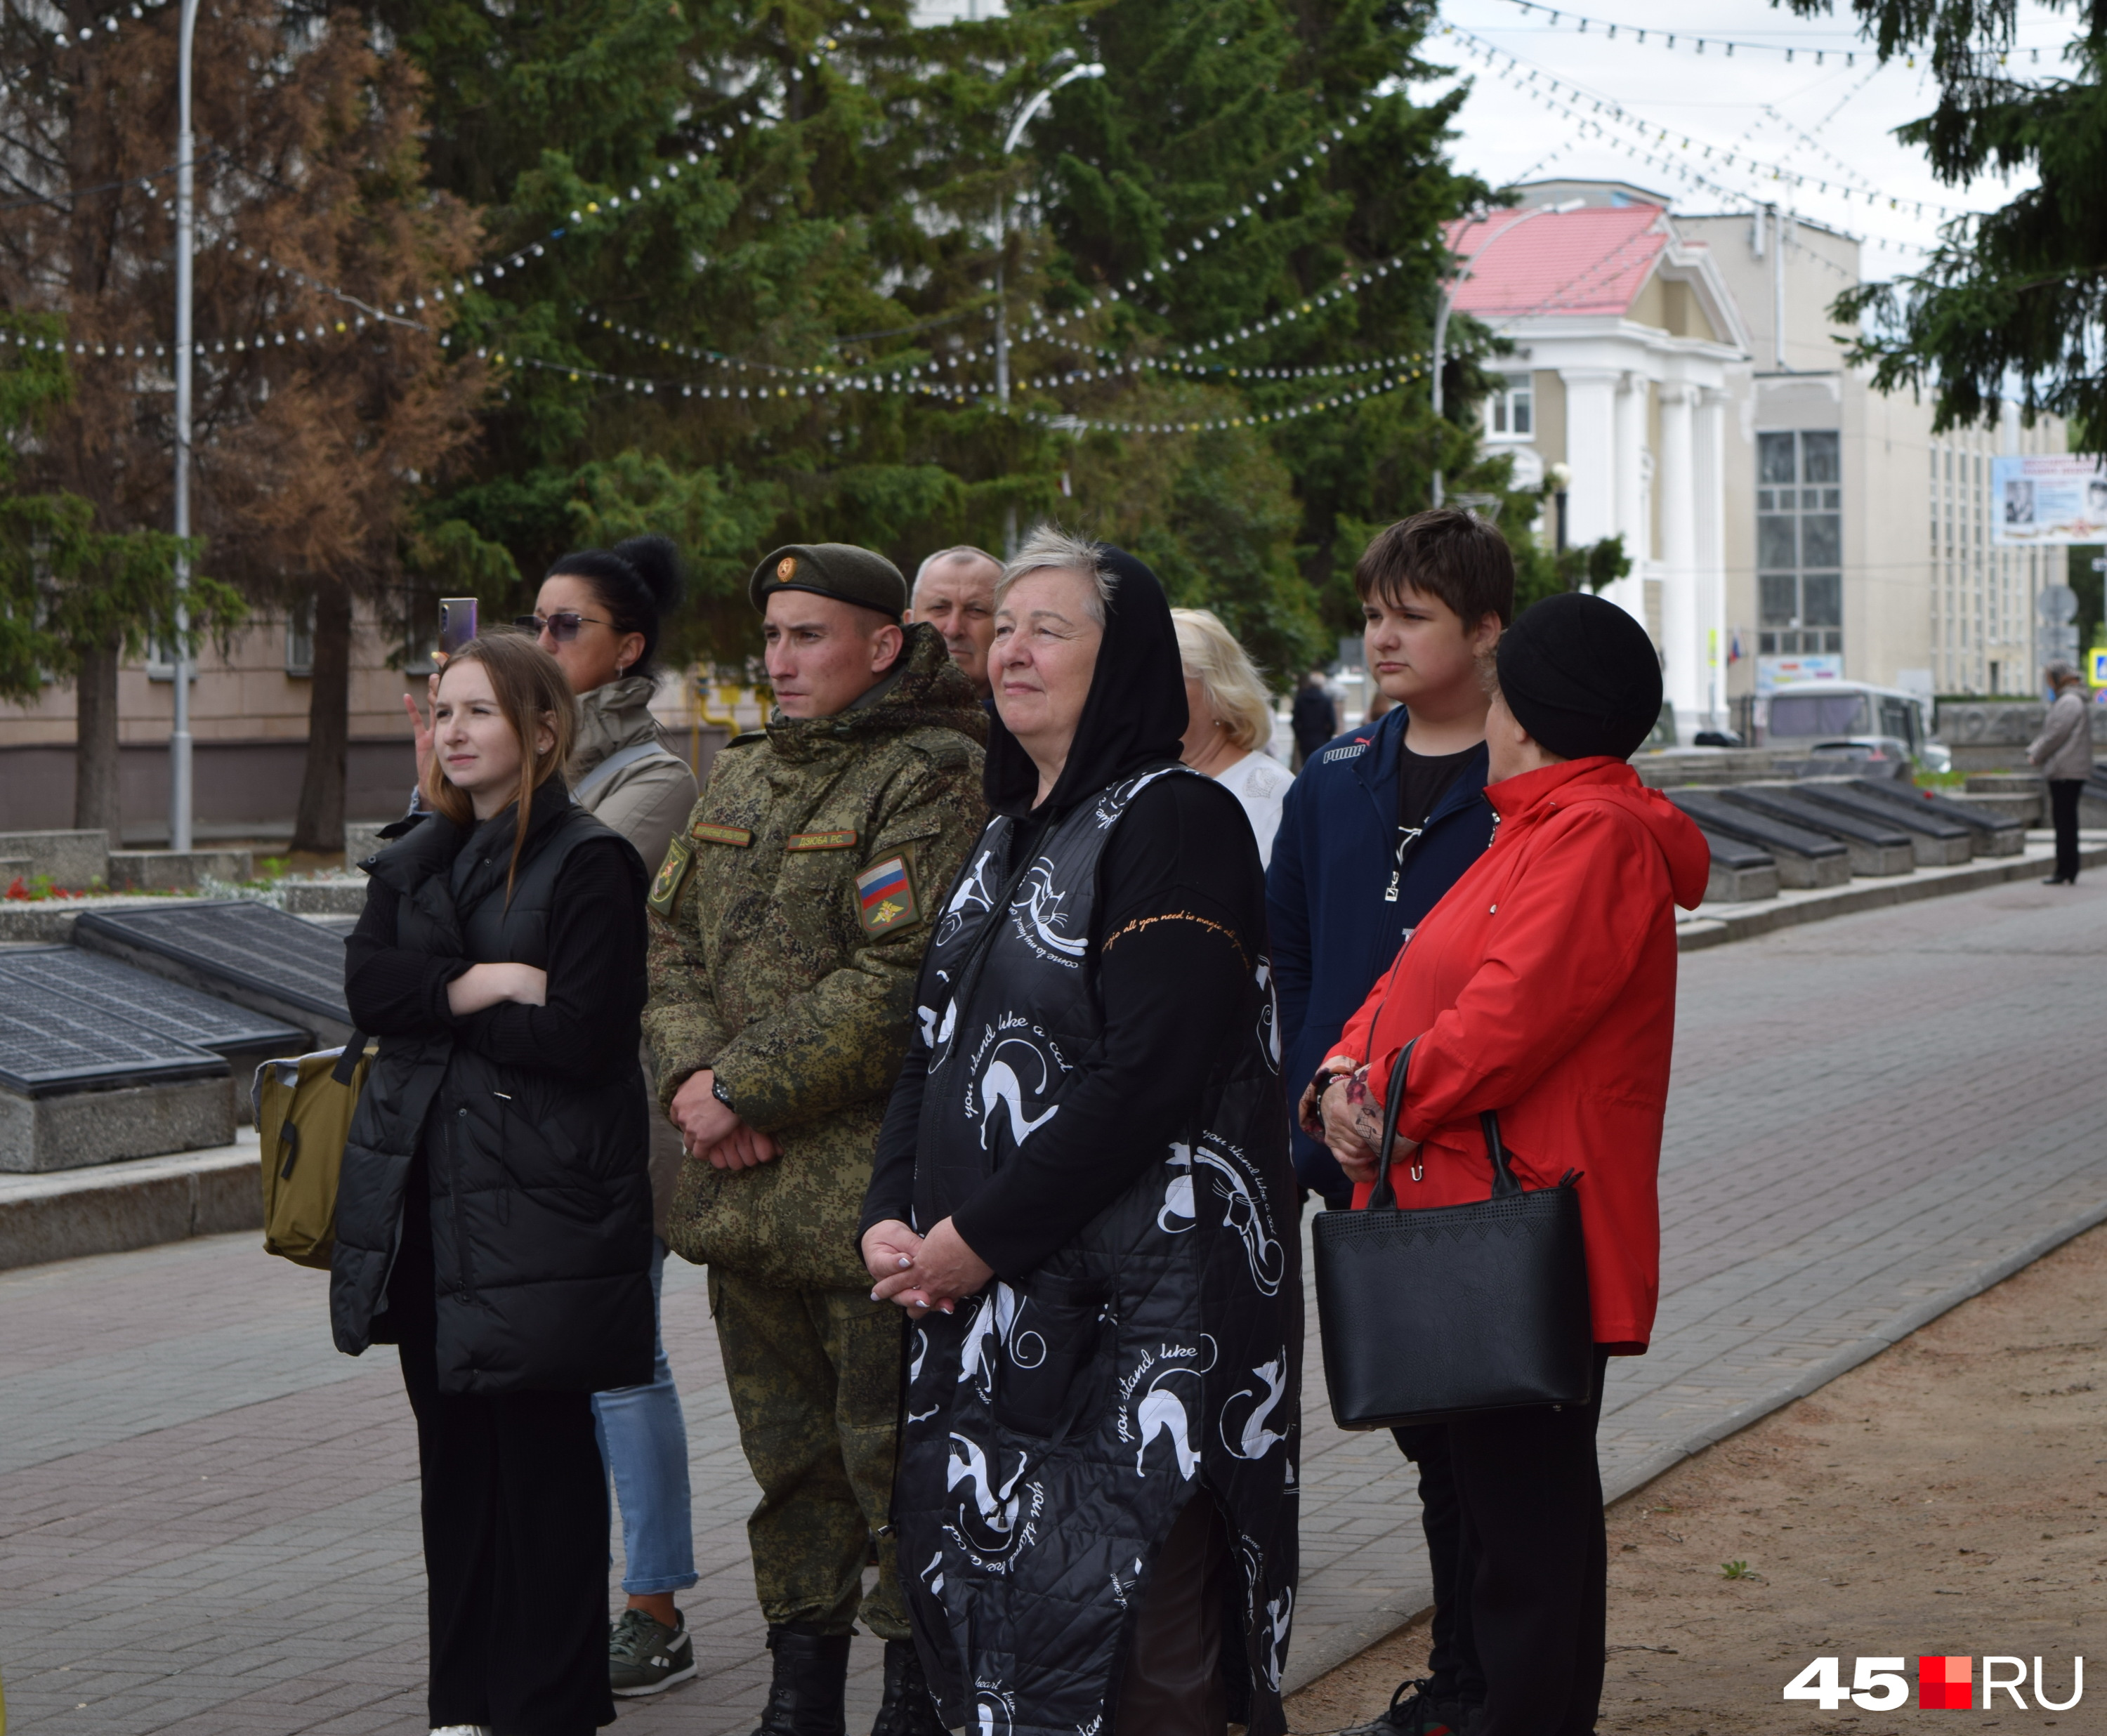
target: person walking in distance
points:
(1313, 718)
(600, 613)
(789, 920)
(493, 1218)
(1372, 833)
(954, 593)
(2064, 752)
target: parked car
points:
(1878, 731)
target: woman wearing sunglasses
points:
(598, 613)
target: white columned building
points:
(1624, 335)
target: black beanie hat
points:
(1581, 676)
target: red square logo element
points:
(1946, 1683)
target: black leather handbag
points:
(1433, 1314)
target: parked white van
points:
(1883, 726)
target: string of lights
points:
(1564, 18)
(1809, 142)
(89, 35)
(1735, 196)
(1565, 97)
(1344, 401)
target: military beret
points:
(839, 570)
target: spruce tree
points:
(748, 245)
(1245, 217)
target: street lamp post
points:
(1024, 115)
(1091, 70)
(1445, 299)
(180, 788)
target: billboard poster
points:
(2043, 498)
(1777, 671)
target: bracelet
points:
(1325, 1078)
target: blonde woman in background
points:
(1230, 722)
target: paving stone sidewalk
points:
(208, 1519)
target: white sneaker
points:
(463, 1729)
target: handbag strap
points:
(1384, 1197)
(348, 1058)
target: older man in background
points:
(2064, 753)
(954, 593)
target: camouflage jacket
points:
(789, 920)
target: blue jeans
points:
(644, 1443)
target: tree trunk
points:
(319, 826)
(95, 802)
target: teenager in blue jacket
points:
(1379, 825)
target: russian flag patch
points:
(885, 896)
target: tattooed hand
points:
(1353, 1125)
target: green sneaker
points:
(646, 1657)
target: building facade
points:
(1627, 343)
(1785, 521)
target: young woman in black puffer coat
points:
(494, 1216)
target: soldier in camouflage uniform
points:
(791, 915)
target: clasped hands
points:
(922, 1272)
(1347, 1118)
(711, 1130)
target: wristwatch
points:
(717, 1091)
(1321, 1082)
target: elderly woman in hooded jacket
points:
(494, 1213)
(1082, 1198)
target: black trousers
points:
(1454, 1673)
(2063, 794)
(1173, 1685)
(1531, 1496)
(515, 1521)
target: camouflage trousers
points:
(815, 1377)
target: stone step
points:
(2027, 811)
(141, 1203)
(176, 870)
(75, 860)
(1876, 847)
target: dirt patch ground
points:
(1946, 1498)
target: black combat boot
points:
(909, 1708)
(811, 1681)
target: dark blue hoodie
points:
(1333, 931)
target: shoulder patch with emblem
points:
(709, 832)
(822, 841)
(885, 896)
(666, 888)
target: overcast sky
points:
(1830, 121)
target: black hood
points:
(1134, 715)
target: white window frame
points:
(1500, 406)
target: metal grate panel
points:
(50, 1042)
(118, 991)
(242, 943)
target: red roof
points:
(1592, 260)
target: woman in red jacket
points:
(1542, 986)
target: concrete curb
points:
(1789, 910)
(1387, 1617)
(110, 1209)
